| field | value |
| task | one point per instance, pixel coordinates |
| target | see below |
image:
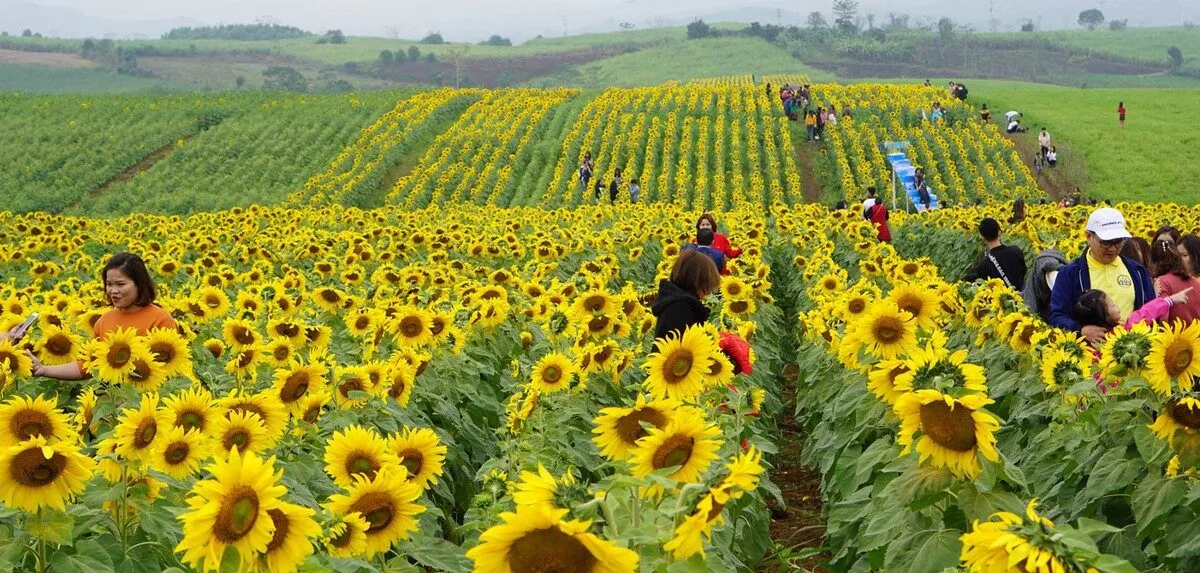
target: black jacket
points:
(676, 309)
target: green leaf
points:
(1111, 473)
(62, 562)
(437, 554)
(1154, 499)
(50, 525)
(1093, 527)
(934, 551)
(1113, 564)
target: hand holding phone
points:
(19, 332)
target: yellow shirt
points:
(1114, 279)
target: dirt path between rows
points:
(806, 162)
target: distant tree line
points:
(243, 32)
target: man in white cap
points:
(1103, 268)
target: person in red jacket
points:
(878, 214)
(720, 242)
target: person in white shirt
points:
(868, 202)
(1011, 115)
(1044, 141)
(1052, 157)
(1014, 126)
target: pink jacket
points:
(1151, 312)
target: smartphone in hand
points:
(20, 331)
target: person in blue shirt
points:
(704, 239)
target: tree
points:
(284, 78)
(386, 57)
(431, 57)
(433, 39)
(896, 22)
(497, 40)
(332, 37)
(1116, 25)
(457, 55)
(414, 53)
(26, 33)
(875, 34)
(392, 32)
(816, 21)
(1026, 25)
(400, 57)
(698, 29)
(845, 13)
(1091, 18)
(1176, 58)
(626, 26)
(240, 81)
(945, 28)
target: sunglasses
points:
(1113, 243)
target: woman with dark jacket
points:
(679, 304)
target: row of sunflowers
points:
(953, 428)
(452, 389)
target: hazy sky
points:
(473, 20)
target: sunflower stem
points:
(41, 549)
(608, 516)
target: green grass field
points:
(683, 61)
(1154, 158)
(1140, 43)
(41, 79)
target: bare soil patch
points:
(493, 72)
(47, 59)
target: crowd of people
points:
(1119, 280)
(587, 172)
(695, 275)
(796, 101)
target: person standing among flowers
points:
(585, 170)
(1101, 267)
(720, 242)
(1171, 276)
(878, 214)
(680, 298)
(999, 261)
(131, 292)
(704, 241)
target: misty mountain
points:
(58, 21)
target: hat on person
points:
(1108, 224)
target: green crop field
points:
(1156, 157)
(42, 79)
(1140, 43)
(683, 61)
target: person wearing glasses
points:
(1101, 267)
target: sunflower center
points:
(146, 431)
(362, 323)
(1185, 414)
(164, 352)
(243, 335)
(310, 415)
(118, 355)
(678, 365)
(287, 329)
(238, 437)
(363, 465)
(594, 303)
(177, 452)
(857, 306)
(294, 387)
(598, 324)
(888, 330)
(189, 420)
(629, 426)
(350, 385)
(377, 508)
(715, 512)
(58, 345)
(245, 359)
(1178, 357)
(342, 539)
(26, 424)
(330, 296)
(238, 512)
(549, 550)
(739, 306)
(675, 451)
(141, 370)
(412, 460)
(399, 384)
(953, 429)
(411, 326)
(551, 374)
(281, 352)
(280, 519)
(31, 469)
(603, 355)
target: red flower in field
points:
(738, 352)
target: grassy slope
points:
(41, 79)
(1155, 158)
(681, 61)
(1141, 43)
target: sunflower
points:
(918, 301)
(387, 505)
(1007, 542)
(590, 303)
(295, 381)
(115, 355)
(278, 352)
(147, 375)
(1174, 357)
(738, 308)
(244, 364)
(398, 382)
(536, 538)
(689, 444)
(214, 347)
(678, 367)
(552, 373)
(363, 323)
(421, 453)
(1181, 414)
(170, 351)
(231, 509)
(57, 345)
(884, 330)
(882, 380)
(291, 330)
(413, 327)
(14, 363)
(349, 380)
(181, 453)
(85, 413)
(310, 406)
(41, 474)
(290, 544)
(936, 367)
(140, 432)
(954, 430)
(542, 488)
(348, 537)
(689, 535)
(192, 409)
(720, 371)
(328, 299)
(1061, 370)
(240, 431)
(357, 451)
(22, 418)
(617, 430)
(213, 300)
(269, 409)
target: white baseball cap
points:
(1108, 224)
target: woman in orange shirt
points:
(130, 290)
